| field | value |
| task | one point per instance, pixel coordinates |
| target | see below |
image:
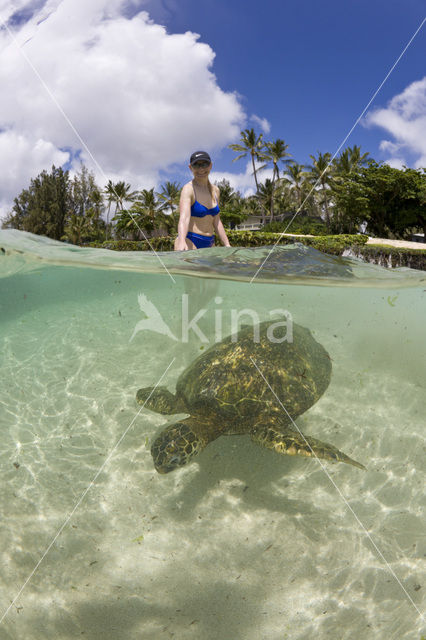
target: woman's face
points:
(201, 169)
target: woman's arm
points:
(218, 225)
(220, 231)
(184, 218)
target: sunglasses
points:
(201, 165)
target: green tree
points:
(169, 195)
(78, 229)
(265, 197)
(144, 216)
(349, 197)
(128, 225)
(227, 193)
(396, 198)
(350, 160)
(118, 194)
(251, 144)
(276, 152)
(285, 197)
(296, 177)
(231, 203)
(350, 201)
(43, 208)
(95, 213)
(86, 201)
(81, 188)
(320, 174)
(252, 207)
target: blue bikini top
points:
(199, 210)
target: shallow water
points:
(241, 544)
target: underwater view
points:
(304, 520)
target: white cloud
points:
(396, 163)
(140, 98)
(23, 155)
(405, 119)
(263, 123)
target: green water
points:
(241, 544)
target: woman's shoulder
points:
(188, 186)
(188, 190)
(216, 192)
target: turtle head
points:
(174, 447)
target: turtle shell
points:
(227, 382)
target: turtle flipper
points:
(160, 399)
(179, 442)
(292, 443)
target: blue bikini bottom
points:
(201, 242)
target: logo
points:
(225, 323)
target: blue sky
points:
(146, 82)
(309, 68)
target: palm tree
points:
(276, 152)
(227, 193)
(346, 189)
(251, 144)
(128, 224)
(252, 207)
(231, 202)
(96, 201)
(170, 193)
(297, 178)
(350, 160)
(320, 173)
(118, 193)
(76, 229)
(144, 214)
(265, 197)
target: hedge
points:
(390, 256)
(327, 244)
(335, 245)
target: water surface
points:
(242, 543)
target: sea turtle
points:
(256, 385)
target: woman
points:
(199, 208)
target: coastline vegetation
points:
(328, 244)
(329, 197)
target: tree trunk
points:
(107, 224)
(254, 172)
(327, 214)
(271, 210)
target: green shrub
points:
(327, 244)
(164, 243)
(335, 245)
(395, 256)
